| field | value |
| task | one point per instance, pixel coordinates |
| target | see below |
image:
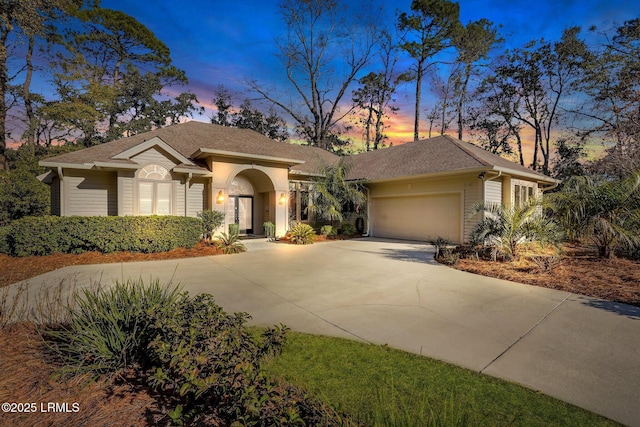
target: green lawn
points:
(387, 387)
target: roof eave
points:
(512, 172)
(116, 165)
(195, 171)
(443, 174)
(47, 164)
(210, 152)
(532, 175)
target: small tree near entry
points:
(211, 220)
(333, 191)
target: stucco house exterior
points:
(416, 190)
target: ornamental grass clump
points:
(229, 243)
(302, 234)
(107, 328)
(328, 230)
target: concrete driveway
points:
(581, 350)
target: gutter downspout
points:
(366, 234)
(551, 187)
(487, 180)
(61, 194)
(186, 193)
(494, 177)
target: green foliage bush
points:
(230, 243)
(77, 234)
(302, 234)
(328, 230)
(348, 229)
(4, 240)
(269, 230)
(107, 328)
(234, 228)
(201, 361)
(211, 220)
(21, 194)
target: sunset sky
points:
(224, 43)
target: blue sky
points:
(219, 42)
(224, 43)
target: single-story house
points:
(417, 190)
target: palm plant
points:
(605, 211)
(333, 190)
(506, 227)
(302, 234)
(230, 243)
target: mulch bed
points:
(15, 269)
(616, 280)
(27, 378)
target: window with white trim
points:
(155, 191)
(523, 191)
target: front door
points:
(243, 213)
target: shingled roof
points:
(429, 156)
(439, 154)
(190, 137)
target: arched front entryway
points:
(251, 201)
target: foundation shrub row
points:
(75, 234)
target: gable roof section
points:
(153, 142)
(440, 154)
(187, 140)
(191, 140)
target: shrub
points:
(76, 234)
(449, 257)
(269, 230)
(21, 193)
(211, 220)
(607, 211)
(201, 361)
(4, 240)
(505, 228)
(107, 329)
(234, 228)
(347, 229)
(440, 243)
(230, 243)
(328, 230)
(302, 234)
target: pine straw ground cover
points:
(15, 269)
(577, 271)
(27, 377)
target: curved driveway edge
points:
(578, 349)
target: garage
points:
(418, 217)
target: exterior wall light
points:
(220, 198)
(282, 199)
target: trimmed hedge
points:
(76, 234)
(4, 243)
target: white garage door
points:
(417, 217)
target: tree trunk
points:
(519, 140)
(3, 91)
(26, 94)
(462, 96)
(416, 122)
